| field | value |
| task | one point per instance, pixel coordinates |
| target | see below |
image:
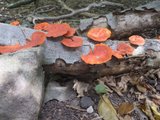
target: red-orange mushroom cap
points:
(125, 48)
(41, 26)
(74, 41)
(117, 54)
(10, 48)
(15, 23)
(57, 29)
(99, 34)
(136, 40)
(70, 32)
(37, 38)
(101, 54)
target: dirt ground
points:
(53, 8)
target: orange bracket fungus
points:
(37, 38)
(136, 40)
(74, 41)
(41, 26)
(125, 48)
(9, 48)
(57, 29)
(15, 23)
(101, 54)
(117, 54)
(70, 32)
(99, 34)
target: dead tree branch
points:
(65, 6)
(72, 10)
(75, 12)
(19, 3)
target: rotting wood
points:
(125, 24)
(142, 63)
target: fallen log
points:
(59, 59)
(68, 61)
(127, 22)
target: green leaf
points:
(106, 110)
(100, 89)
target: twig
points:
(65, 6)
(39, 9)
(72, 10)
(19, 3)
(34, 18)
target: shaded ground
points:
(53, 8)
(54, 110)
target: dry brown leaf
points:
(80, 87)
(125, 108)
(146, 108)
(126, 117)
(141, 88)
(122, 85)
(135, 79)
(110, 82)
(156, 99)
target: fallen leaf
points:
(156, 98)
(101, 54)
(111, 82)
(80, 87)
(141, 88)
(106, 110)
(155, 108)
(122, 84)
(74, 41)
(146, 108)
(99, 34)
(136, 40)
(102, 89)
(126, 117)
(125, 108)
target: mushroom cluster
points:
(101, 52)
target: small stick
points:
(19, 3)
